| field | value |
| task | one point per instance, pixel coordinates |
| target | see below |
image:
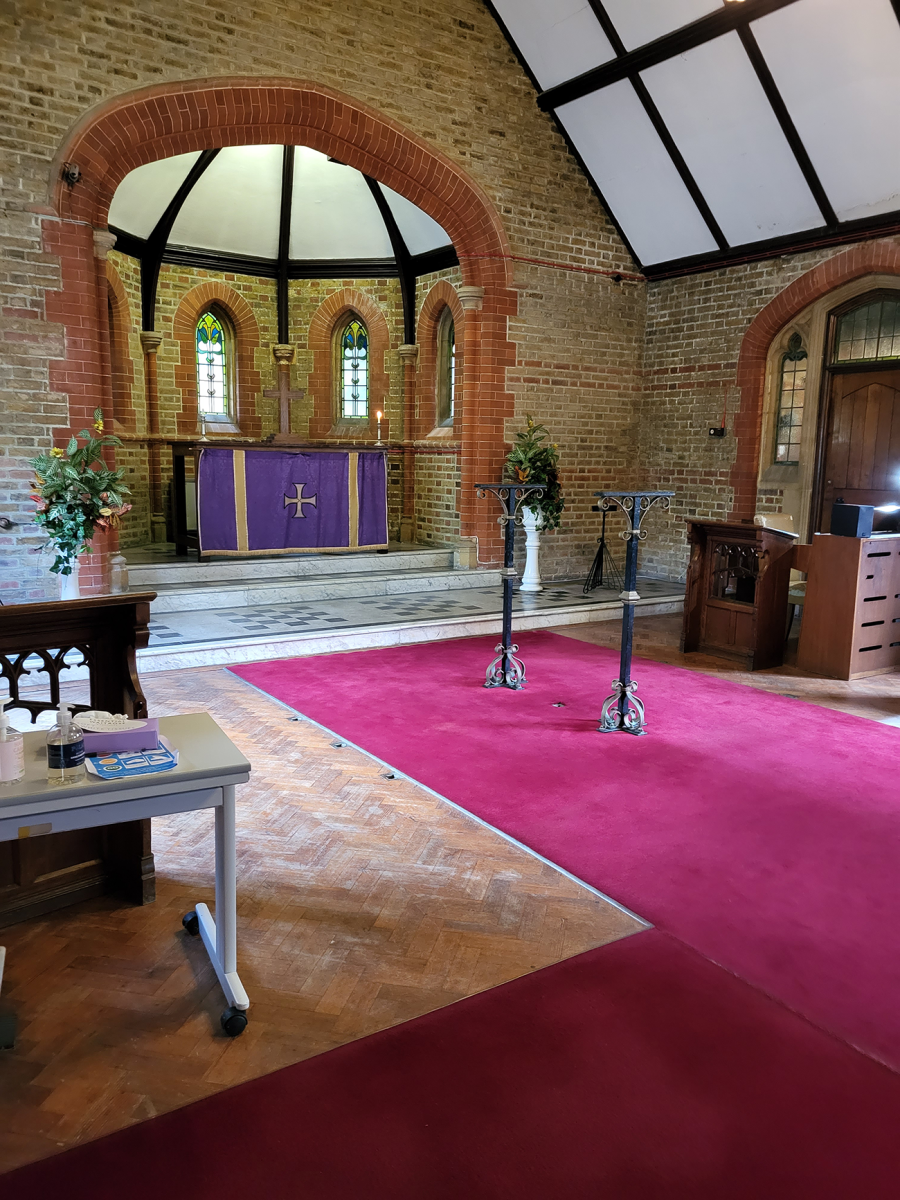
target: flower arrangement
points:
(535, 460)
(76, 493)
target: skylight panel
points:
(836, 67)
(235, 204)
(419, 231)
(559, 39)
(617, 141)
(334, 215)
(145, 193)
(640, 21)
(714, 106)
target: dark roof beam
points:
(705, 29)
(155, 245)
(282, 291)
(405, 266)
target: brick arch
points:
(866, 258)
(322, 329)
(443, 295)
(246, 336)
(179, 116)
(120, 360)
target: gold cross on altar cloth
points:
(300, 500)
(284, 395)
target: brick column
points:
(409, 354)
(150, 341)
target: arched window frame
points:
(228, 418)
(445, 392)
(790, 408)
(342, 381)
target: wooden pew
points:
(40, 874)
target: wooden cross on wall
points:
(284, 395)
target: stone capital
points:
(470, 297)
(408, 352)
(283, 354)
(150, 340)
(103, 243)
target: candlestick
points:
(378, 419)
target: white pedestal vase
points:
(531, 576)
(68, 584)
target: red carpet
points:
(761, 830)
(635, 1072)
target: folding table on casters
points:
(209, 768)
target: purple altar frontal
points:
(291, 502)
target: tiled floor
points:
(194, 627)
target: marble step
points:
(247, 593)
(152, 576)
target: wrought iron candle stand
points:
(506, 670)
(623, 711)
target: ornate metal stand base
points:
(622, 711)
(506, 670)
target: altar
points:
(262, 500)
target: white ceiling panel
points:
(559, 39)
(836, 66)
(714, 106)
(144, 194)
(334, 215)
(235, 204)
(418, 230)
(640, 21)
(623, 152)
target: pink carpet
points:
(763, 831)
(635, 1072)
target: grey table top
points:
(206, 755)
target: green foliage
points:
(76, 493)
(534, 459)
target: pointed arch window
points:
(215, 366)
(446, 380)
(354, 369)
(869, 333)
(791, 398)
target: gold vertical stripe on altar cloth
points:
(353, 486)
(240, 501)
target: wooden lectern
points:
(735, 604)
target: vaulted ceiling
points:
(722, 130)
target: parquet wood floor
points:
(363, 902)
(657, 638)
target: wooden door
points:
(862, 449)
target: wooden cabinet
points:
(851, 617)
(37, 642)
(737, 592)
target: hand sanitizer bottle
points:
(65, 749)
(12, 748)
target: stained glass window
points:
(212, 366)
(355, 370)
(791, 396)
(869, 332)
(446, 369)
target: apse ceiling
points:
(721, 130)
(244, 207)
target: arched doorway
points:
(858, 451)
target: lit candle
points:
(378, 418)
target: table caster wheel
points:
(234, 1021)
(191, 922)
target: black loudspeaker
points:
(852, 520)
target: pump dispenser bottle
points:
(65, 749)
(12, 748)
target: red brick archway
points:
(174, 118)
(322, 329)
(867, 258)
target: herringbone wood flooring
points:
(363, 902)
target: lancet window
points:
(869, 333)
(446, 389)
(354, 369)
(214, 366)
(791, 398)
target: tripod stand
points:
(604, 564)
